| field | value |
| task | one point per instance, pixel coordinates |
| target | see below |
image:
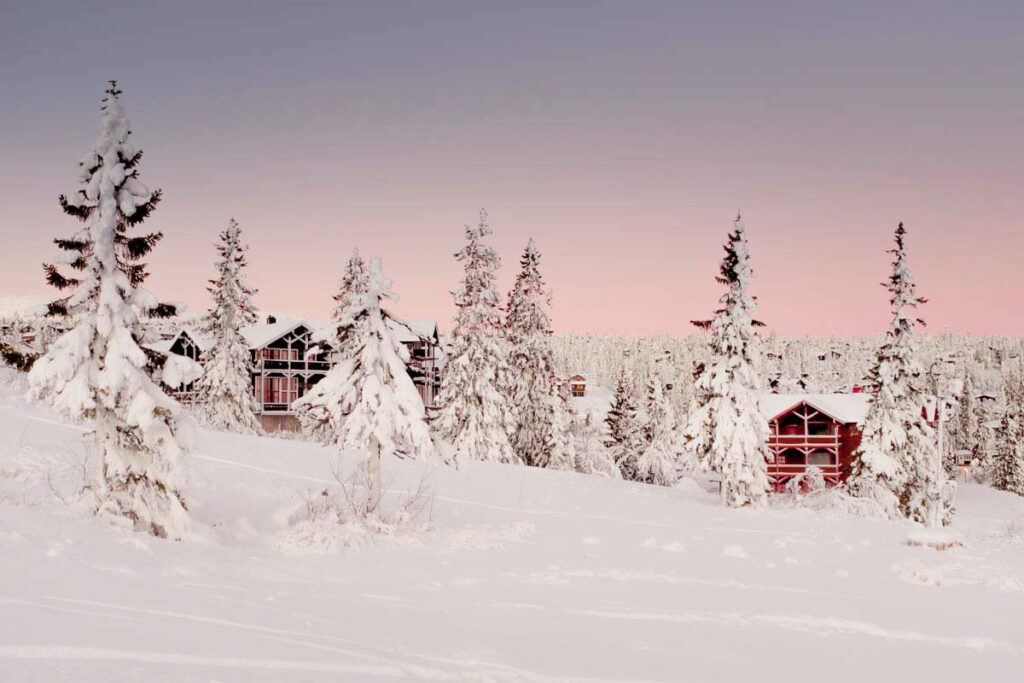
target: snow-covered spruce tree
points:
(898, 464)
(625, 440)
(561, 449)
(963, 428)
(316, 416)
(373, 402)
(540, 411)
(987, 418)
(726, 431)
(224, 396)
(354, 283)
(475, 416)
(1008, 465)
(97, 369)
(657, 462)
(591, 455)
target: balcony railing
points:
(793, 469)
(278, 364)
(806, 440)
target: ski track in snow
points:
(52, 653)
(449, 499)
(820, 626)
(385, 662)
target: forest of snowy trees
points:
(677, 406)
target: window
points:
(820, 428)
(792, 457)
(277, 354)
(280, 390)
(820, 458)
(578, 390)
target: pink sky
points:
(623, 143)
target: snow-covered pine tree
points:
(315, 415)
(726, 430)
(475, 416)
(963, 428)
(986, 416)
(625, 440)
(97, 369)
(373, 401)
(591, 455)
(898, 464)
(354, 283)
(657, 462)
(1008, 465)
(561, 449)
(224, 396)
(540, 411)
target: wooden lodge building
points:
(820, 430)
(288, 358)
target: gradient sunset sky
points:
(622, 136)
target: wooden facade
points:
(287, 359)
(805, 434)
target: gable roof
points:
(406, 330)
(413, 329)
(164, 345)
(263, 333)
(844, 408)
(202, 341)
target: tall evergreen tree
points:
(97, 369)
(963, 428)
(592, 457)
(540, 412)
(224, 396)
(985, 443)
(1008, 465)
(475, 416)
(373, 402)
(354, 283)
(897, 463)
(657, 462)
(317, 412)
(625, 440)
(561, 449)
(726, 430)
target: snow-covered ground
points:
(522, 575)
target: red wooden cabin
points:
(820, 430)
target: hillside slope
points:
(522, 575)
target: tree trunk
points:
(373, 476)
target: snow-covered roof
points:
(414, 329)
(203, 342)
(845, 408)
(164, 345)
(263, 333)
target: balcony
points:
(776, 470)
(275, 364)
(804, 440)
